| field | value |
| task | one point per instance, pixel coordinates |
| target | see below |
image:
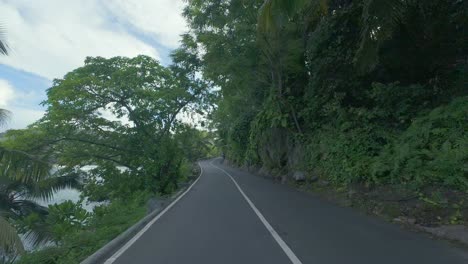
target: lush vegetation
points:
(368, 93)
(24, 179)
(121, 115)
(78, 233)
(361, 92)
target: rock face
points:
(295, 155)
(282, 156)
(274, 150)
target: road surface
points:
(249, 219)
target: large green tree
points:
(128, 117)
(121, 112)
(226, 32)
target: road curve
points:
(248, 219)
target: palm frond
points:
(21, 166)
(27, 207)
(45, 189)
(10, 242)
(273, 14)
(4, 114)
(379, 19)
(39, 233)
(265, 16)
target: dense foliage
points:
(366, 91)
(351, 92)
(123, 116)
(24, 179)
(79, 234)
(116, 111)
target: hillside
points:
(366, 98)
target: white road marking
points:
(142, 231)
(287, 250)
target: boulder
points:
(299, 176)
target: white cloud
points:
(50, 38)
(6, 93)
(161, 19)
(20, 116)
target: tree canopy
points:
(328, 86)
(119, 111)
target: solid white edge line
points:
(287, 250)
(142, 231)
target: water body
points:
(70, 194)
(65, 195)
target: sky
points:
(48, 38)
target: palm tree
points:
(274, 14)
(9, 239)
(283, 27)
(23, 179)
(379, 20)
(16, 169)
(19, 196)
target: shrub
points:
(104, 224)
(432, 151)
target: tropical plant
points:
(379, 19)
(79, 234)
(24, 180)
(275, 14)
(331, 83)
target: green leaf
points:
(9, 239)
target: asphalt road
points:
(215, 224)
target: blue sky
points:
(49, 38)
